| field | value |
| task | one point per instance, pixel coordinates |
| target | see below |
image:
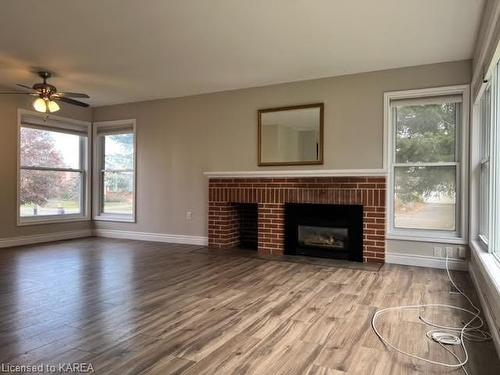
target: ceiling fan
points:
(48, 96)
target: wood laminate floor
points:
(132, 307)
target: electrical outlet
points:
(450, 252)
(438, 251)
(189, 215)
(462, 254)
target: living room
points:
(266, 187)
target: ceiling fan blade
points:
(26, 87)
(70, 101)
(72, 95)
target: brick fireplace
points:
(228, 195)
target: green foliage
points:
(414, 184)
(425, 134)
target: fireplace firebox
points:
(324, 230)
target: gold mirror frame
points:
(321, 108)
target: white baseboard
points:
(157, 237)
(46, 237)
(110, 233)
(425, 261)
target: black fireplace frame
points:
(325, 215)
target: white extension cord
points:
(443, 335)
(446, 338)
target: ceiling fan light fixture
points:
(40, 105)
(52, 106)
(44, 92)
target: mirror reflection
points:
(291, 135)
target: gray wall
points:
(8, 168)
(179, 139)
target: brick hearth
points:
(271, 194)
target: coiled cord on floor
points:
(443, 335)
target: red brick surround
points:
(272, 193)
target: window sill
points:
(487, 263)
(49, 220)
(426, 238)
(115, 218)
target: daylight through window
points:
(426, 165)
(52, 171)
(115, 166)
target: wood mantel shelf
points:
(299, 173)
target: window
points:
(53, 163)
(494, 170)
(426, 168)
(115, 170)
(487, 143)
(484, 165)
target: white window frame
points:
(59, 123)
(484, 139)
(484, 248)
(97, 171)
(492, 245)
(459, 236)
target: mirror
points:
(291, 135)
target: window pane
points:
(43, 148)
(484, 200)
(425, 197)
(118, 192)
(426, 133)
(119, 151)
(485, 124)
(49, 193)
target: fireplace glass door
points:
(324, 230)
(322, 237)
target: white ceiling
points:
(129, 50)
